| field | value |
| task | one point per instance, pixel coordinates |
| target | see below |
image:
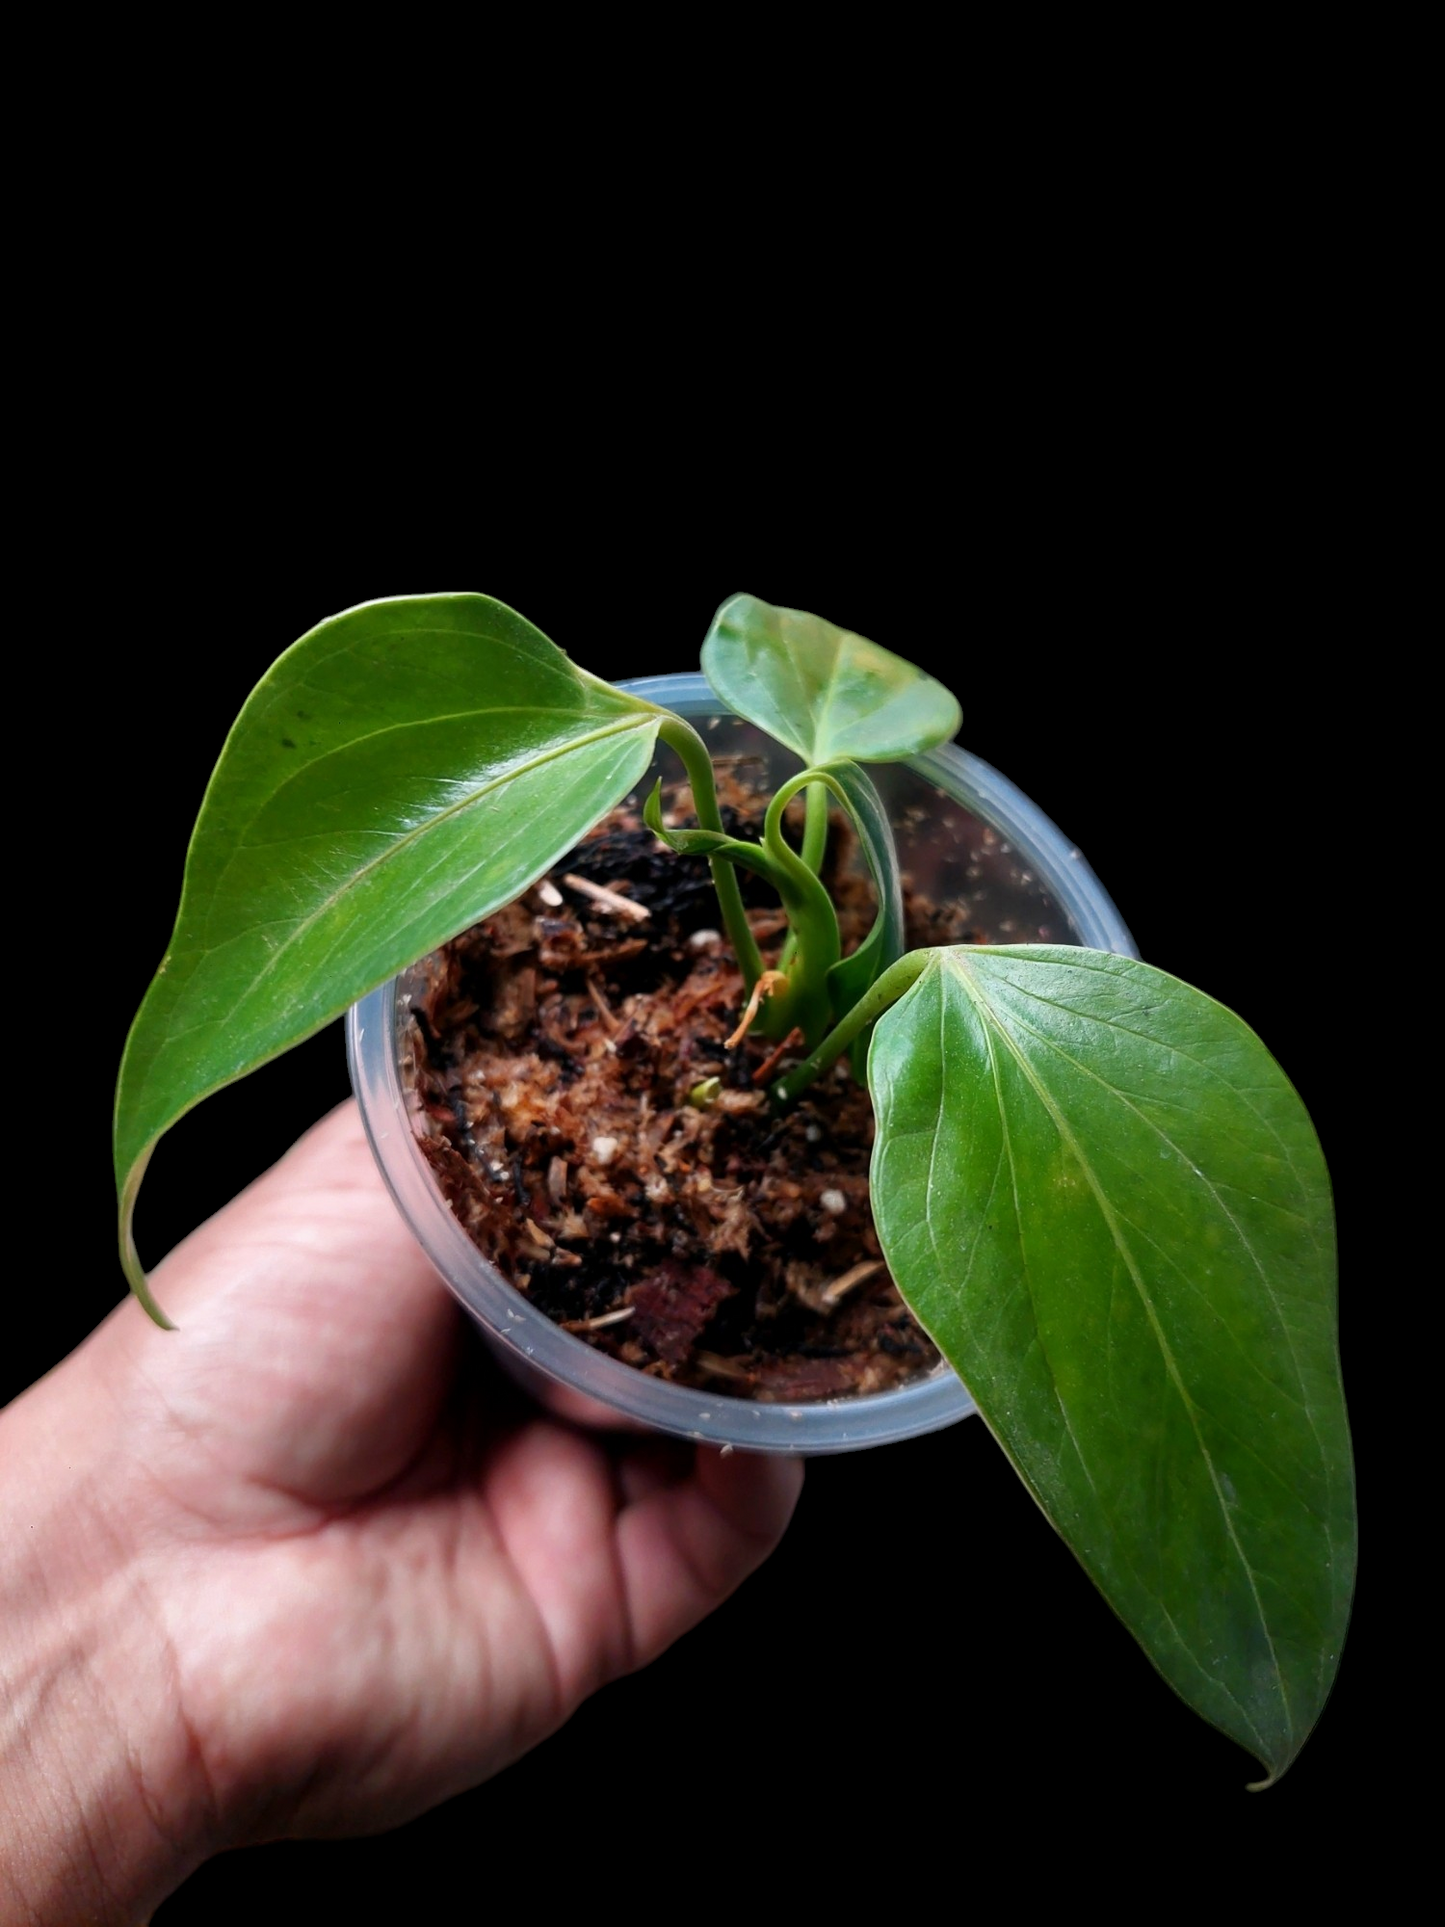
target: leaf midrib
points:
(819, 751)
(404, 842)
(973, 990)
(1298, 1397)
(1286, 1150)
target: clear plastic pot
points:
(961, 828)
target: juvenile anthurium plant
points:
(1093, 1185)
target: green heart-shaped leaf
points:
(404, 769)
(822, 691)
(1103, 1198)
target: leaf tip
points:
(141, 1291)
(129, 1257)
(652, 812)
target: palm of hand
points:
(380, 1574)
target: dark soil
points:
(697, 1235)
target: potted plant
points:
(1092, 1185)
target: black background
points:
(1139, 601)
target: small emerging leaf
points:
(710, 843)
(822, 691)
(1102, 1197)
(403, 770)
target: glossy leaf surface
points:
(823, 691)
(405, 768)
(1100, 1194)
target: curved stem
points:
(815, 827)
(815, 925)
(682, 737)
(815, 845)
(897, 978)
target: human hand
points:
(309, 1564)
